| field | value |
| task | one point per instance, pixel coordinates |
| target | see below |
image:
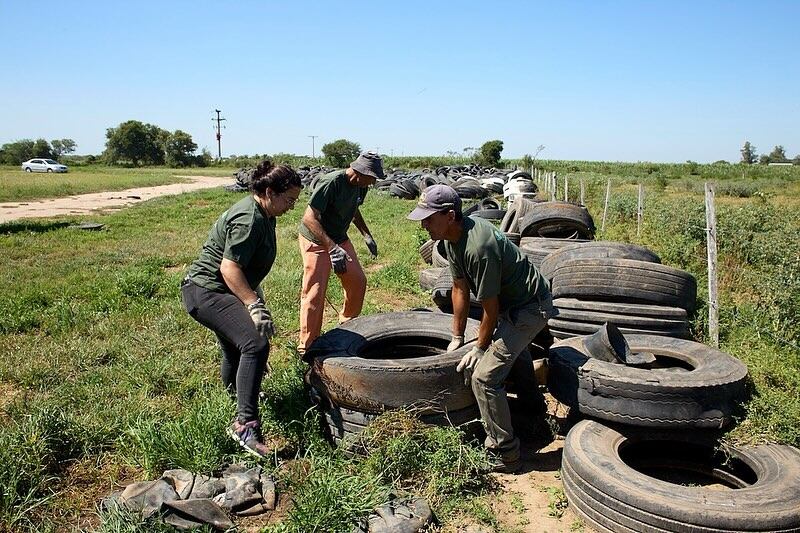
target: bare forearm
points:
(234, 278)
(360, 224)
(491, 310)
(311, 221)
(460, 298)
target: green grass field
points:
(104, 377)
(17, 185)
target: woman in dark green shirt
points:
(221, 291)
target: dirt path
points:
(81, 204)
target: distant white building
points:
(787, 164)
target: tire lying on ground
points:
(597, 250)
(515, 212)
(557, 220)
(624, 280)
(690, 385)
(627, 480)
(439, 255)
(391, 360)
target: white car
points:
(43, 165)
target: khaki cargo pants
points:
(516, 328)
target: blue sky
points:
(592, 80)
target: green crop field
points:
(17, 185)
(104, 378)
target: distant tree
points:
(16, 152)
(179, 149)
(137, 143)
(796, 160)
(526, 162)
(748, 154)
(62, 147)
(763, 159)
(778, 155)
(489, 153)
(692, 167)
(42, 148)
(341, 152)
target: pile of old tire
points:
(388, 361)
(538, 248)
(637, 295)
(626, 479)
(557, 220)
(689, 385)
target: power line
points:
(312, 144)
(219, 134)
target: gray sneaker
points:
(249, 437)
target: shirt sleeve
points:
(455, 269)
(321, 196)
(239, 246)
(488, 273)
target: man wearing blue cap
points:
(516, 304)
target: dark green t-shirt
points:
(337, 201)
(494, 266)
(245, 234)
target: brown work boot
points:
(249, 437)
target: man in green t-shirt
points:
(324, 244)
(516, 304)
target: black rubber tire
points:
(705, 393)
(428, 277)
(490, 214)
(513, 237)
(49, 170)
(441, 294)
(624, 280)
(613, 493)
(557, 219)
(28, 169)
(426, 251)
(616, 308)
(518, 209)
(573, 328)
(439, 255)
(595, 250)
(364, 364)
(538, 248)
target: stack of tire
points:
(649, 458)
(622, 284)
(388, 361)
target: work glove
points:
(469, 362)
(262, 319)
(339, 259)
(371, 244)
(455, 343)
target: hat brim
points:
(366, 171)
(421, 213)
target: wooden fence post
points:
(582, 193)
(554, 190)
(711, 244)
(640, 210)
(605, 205)
(566, 189)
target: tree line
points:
(16, 152)
(777, 155)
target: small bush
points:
(195, 440)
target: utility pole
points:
(312, 144)
(219, 134)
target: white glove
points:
(262, 319)
(469, 362)
(455, 343)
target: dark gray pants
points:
(244, 351)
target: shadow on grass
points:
(9, 228)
